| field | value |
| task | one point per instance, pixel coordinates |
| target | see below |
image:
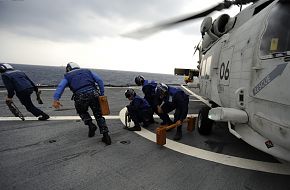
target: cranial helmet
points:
(139, 80)
(162, 88)
(130, 92)
(4, 67)
(71, 65)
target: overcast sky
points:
(47, 32)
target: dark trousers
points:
(180, 104)
(25, 98)
(82, 103)
(154, 101)
(138, 116)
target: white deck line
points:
(72, 117)
(53, 89)
(54, 118)
(224, 159)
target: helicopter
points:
(243, 71)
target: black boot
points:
(178, 134)
(92, 129)
(43, 117)
(147, 123)
(106, 139)
(135, 128)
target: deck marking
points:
(73, 117)
(224, 159)
(54, 118)
(53, 89)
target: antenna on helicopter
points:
(147, 31)
(196, 47)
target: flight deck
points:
(57, 154)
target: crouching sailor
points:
(139, 110)
(17, 81)
(173, 99)
(148, 88)
(82, 82)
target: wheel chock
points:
(191, 123)
(161, 135)
(161, 131)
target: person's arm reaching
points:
(100, 83)
(57, 95)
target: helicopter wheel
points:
(204, 125)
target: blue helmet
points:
(4, 67)
(71, 65)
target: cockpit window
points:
(276, 39)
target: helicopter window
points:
(208, 64)
(205, 68)
(276, 39)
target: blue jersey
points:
(15, 80)
(178, 100)
(79, 80)
(149, 91)
(139, 103)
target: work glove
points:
(159, 109)
(178, 122)
(8, 100)
(56, 104)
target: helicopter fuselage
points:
(247, 69)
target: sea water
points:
(51, 76)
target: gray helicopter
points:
(244, 73)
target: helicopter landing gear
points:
(204, 125)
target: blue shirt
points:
(64, 83)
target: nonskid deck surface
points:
(57, 154)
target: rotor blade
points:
(144, 32)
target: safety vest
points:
(80, 79)
(19, 79)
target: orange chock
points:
(191, 123)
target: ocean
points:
(51, 76)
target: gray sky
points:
(47, 32)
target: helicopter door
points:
(223, 72)
(205, 77)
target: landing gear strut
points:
(204, 124)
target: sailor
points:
(139, 110)
(86, 87)
(173, 99)
(148, 88)
(18, 82)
